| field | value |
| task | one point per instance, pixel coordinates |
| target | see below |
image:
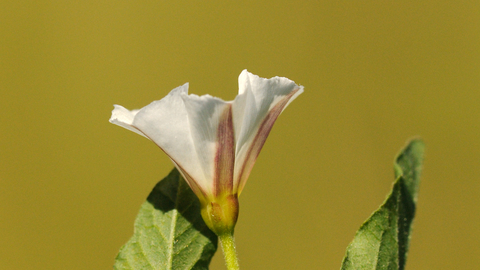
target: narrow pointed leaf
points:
(169, 232)
(382, 241)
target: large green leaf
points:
(382, 241)
(169, 231)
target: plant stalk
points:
(228, 245)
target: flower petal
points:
(213, 143)
(259, 103)
(165, 122)
(124, 118)
(211, 128)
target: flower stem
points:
(228, 246)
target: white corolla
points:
(213, 143)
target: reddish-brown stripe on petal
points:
(225, 153)
(259, 140)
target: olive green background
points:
(375, 73)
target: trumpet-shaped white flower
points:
(213, 143)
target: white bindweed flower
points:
(213, 143)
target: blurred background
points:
(375, 74)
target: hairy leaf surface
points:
(382, 241)
(169, 232)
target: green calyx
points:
(221, 215)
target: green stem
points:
(228, 246)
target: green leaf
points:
(382, 241)
(169, 231)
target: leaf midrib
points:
(172, 230)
